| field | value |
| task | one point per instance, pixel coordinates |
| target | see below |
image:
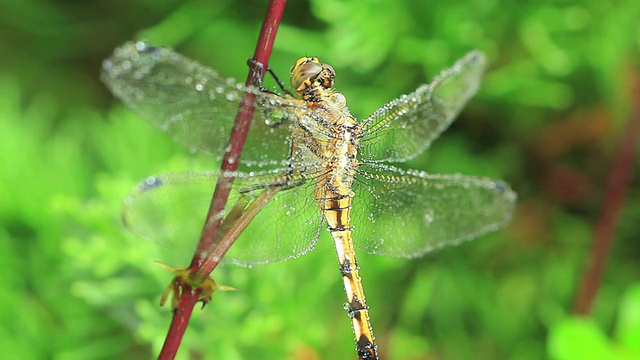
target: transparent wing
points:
(406, 126)
(194, 103)
(406, 214)
(171, 209)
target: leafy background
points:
(548, 119)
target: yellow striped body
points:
(330, 135)
(333, 195)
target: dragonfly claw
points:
(184, 281)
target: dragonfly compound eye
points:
(303, 70)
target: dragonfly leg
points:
(257, 70)
(234, 214)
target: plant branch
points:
(614, 197)
(202, 262)
(210, 232)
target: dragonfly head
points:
(309, 73)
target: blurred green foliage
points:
(75, 285)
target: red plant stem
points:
(613, 201)
(237, 138)
(189, 297)
(236, 229)
(179, 323)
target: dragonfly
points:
(327, 168)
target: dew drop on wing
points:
(474, 57)
(499, 185)
(346, 306)
(145, 69)
(107, 65)
(127, 201)
(442, 186)
(429, 216)
(150, 183)
(142, 46)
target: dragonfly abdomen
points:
(337, 212)
(356, 305)
(335, 205)
(333, 195)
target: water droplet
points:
(107, 65)
(141, 46)
(350, 312)
(499, 185)
(150, 183)
(429, 216)
(126, 65)
(199, 87)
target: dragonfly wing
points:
(194, 103)
(288, 226)
(406, 126)
(408, 213)
(171, 209)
